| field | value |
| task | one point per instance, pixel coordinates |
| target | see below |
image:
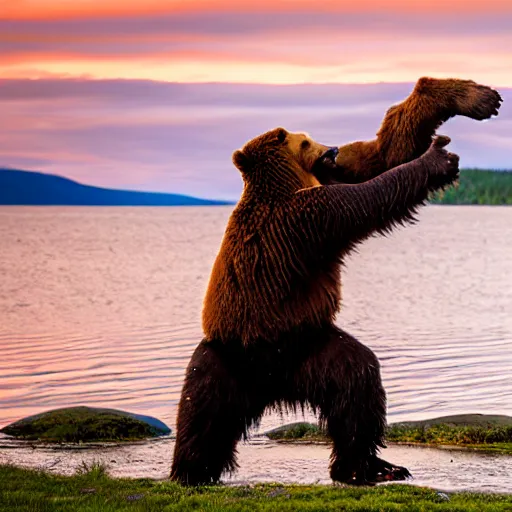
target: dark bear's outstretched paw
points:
(461, 97)
(443, 167)
(380, 470)
(478, 101)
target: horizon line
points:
(86, 78)
(230, 200)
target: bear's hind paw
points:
(383, 471)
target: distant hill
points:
(35, 188)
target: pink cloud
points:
(283, 47)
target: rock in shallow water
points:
(86, 424)
(482, 432)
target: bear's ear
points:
(241, 161)
(281, 135)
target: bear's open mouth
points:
(327, 159)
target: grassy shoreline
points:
(485, 433)
(93, 490)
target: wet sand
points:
(262, 460)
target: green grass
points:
(479, 187)
(81, 424)
(472, 431)
(94, 491)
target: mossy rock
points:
(300, 431)
(477, 431)
(86, 424)
(461, 420)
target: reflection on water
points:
(101, 307)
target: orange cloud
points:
(54, 9)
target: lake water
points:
(101, 307)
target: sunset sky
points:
(107, 109)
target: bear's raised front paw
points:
(477, 101)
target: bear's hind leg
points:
(214, 413)
(343, 383)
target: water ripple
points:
(102, 307)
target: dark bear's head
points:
(282, 161)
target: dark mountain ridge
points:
(19, 187)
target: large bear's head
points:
(281, 161)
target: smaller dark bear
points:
(270, 338)
(407, 128)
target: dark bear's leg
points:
(215, 411)
(341, 380)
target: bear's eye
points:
(304, 144)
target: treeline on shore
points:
(478, 186)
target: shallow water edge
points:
(262, 460)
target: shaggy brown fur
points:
(268, 318)
(407, 129)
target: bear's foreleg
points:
(214, 413)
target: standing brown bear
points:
(270, 338)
